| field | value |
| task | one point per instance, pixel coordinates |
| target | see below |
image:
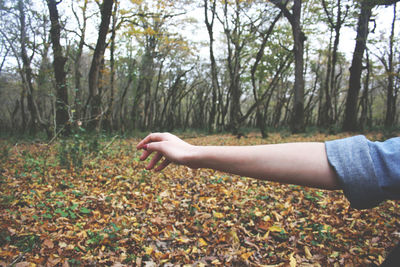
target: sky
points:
(383, 16)
(198, 32)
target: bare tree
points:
(329, 86)
(94, 99)
(82, 25)
(350, 116)
(294, 18)
(62, 115)
(391, 95)
(26, 74)
(214, 75)
(264, 35)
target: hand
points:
(166, 146)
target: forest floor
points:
(106, 209)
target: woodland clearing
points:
(110, 211)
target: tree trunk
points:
(109, 121)
(350, 116)
(214, 77)
(364, 101)
(339, 22)
(26, 74)
(260, 118)
(94, 99)
(235, 45)
(297, 119)
(297, 123)
(327, 112)
(77, 65)
(62, 116)
(391, 97)
(325, 119)
(144, 83)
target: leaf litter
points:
(113, 212)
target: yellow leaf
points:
(202, 242)
(82, 234)
(266, 235)
(216, 262)
(258, 213)
(278, 217)
(335, 254)
(245, 256)
(292, 261)
(148, 250)
(96, 213)
(380, 259)
(234, 236)
(183, 240)
(276, 229)
(307, 252)
(266, 218)
(218, 215)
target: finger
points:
(150, 148)
(154, 161)
(153, 137)
(145, 155)
(144, 141)
(163, 164)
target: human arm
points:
(295, 163)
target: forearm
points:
(294, 163)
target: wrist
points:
(194, 159)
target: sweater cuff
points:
(351, 159)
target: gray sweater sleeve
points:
(354, 164)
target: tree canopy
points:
(215, 65)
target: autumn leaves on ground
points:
(82, 202)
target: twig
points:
(55, 136)
(110, 143)
(17, 259)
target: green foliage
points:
(66, 211)
(73, 151)
(27, 242)
(4, 152)
(85, 210)
(74, 262)
(5, 200)
(94, 238)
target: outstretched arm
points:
(294, 163)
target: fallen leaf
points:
(183, 240)
(276, 229)
(307, 252)
(218, 215)
(202, 242)
(48, 243)
(148, 250)
(292, 261)
(245, 256)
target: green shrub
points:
(72, 151)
